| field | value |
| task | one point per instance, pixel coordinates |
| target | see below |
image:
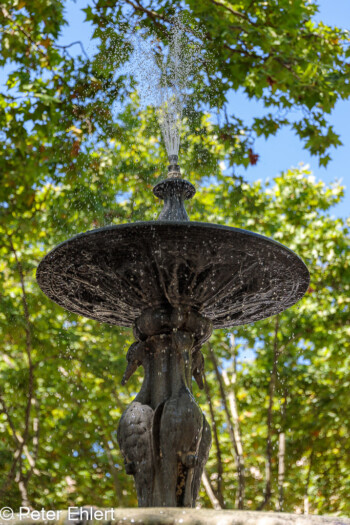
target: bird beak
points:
(130, 369)
(199, 378)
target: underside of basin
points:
(229, 275)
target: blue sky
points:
(285, 150)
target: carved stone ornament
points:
(163, 435)
(173, 281)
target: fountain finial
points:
(173, 168)
(174, 190)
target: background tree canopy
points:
(276, 392)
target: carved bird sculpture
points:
(135, 356)
(198, 367)
(179, 434)
(134, 438)
(180, 428)
(134, 433)
(203, 454)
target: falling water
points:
(173, 87)
(163, 74)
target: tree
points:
(65, 157)
(290, 388)
(274, 51)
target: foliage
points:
(291, 372)
(274, 51)
(69, 164)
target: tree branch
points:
(208, 489)
(233, 12)
(7, 16)
(28, 345)
(32, 459)
(281, 469)
(6, 411)
(282, 453)
(138, 7)
(77, 42)
(234, 412)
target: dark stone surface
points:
(230, 276)
(163, 434)
(174, 191)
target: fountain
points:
(173, 281)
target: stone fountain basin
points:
(229, 275)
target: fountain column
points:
(163, 434)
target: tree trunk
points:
(272, 386)
(22, 438)
(237, 456)
(208, 489)
(306, 494)
(281, 469)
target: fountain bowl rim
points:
(187, 224)
(302, 276)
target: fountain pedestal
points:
(172, 280)
(163, 434)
